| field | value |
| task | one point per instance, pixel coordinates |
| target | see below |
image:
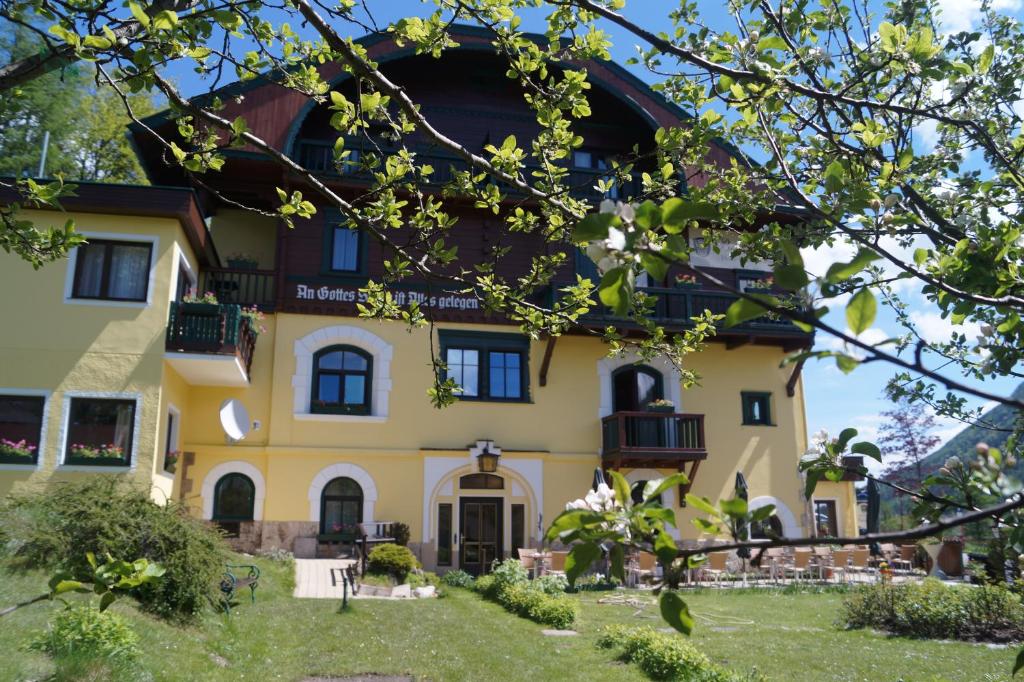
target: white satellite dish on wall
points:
(234, 419)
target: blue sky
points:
(834, 400)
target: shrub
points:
(53, 528)
(664, 656)
(527, 601)
(457, 578)
(509, 572)
(552, 583)
(486, 585)
(84, 632)
(401, 533)
(393, 560)
(420, 578)
(933, 610)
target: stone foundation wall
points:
(282, 534)
(249, 537)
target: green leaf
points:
(791, 277)
(648, 215)
(572, 520)
(675, 612)
(762, 513)
(68, 586)
(139, 14)
(705, 526)
(744, 309)
(657, 267)
(676, 213)
(614, 290)
(861, 311)
(792, 252)
(621, 487)
(984, 62)
(580, 557)
(839, 272)
(660, 485)
(594, 226)
(846, 363)
(771, 43)
(811, 483)
(701, 503)
(845, 436)
(618, 560)
(735, 507)
(106, 600)
(835, 177)
(665, 548)
(869, 449)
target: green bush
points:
(423, 578)
(457, 578)
(552, 583)
(486, 585)
(517, 594)
(665, 656)
(393, 560)
(53, 528)
(84, 632)
(401, 533)
(932, 609)
(509, 572)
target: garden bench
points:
(231, 582)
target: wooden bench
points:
(231, 582)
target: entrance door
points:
(480, 528)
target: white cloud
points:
(869, 336)
(964, 15)
(933, 328)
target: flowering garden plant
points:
(103, 451)
(18, 449)
(171, 461)
(193, 297)
(685, 278)
(255, 317)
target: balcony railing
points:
(246, 288)
(663, 436)
(677, 306)
(211, 328)
(318, 156)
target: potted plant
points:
(171, 461)
(763, 284)
(206, 303)
(661, 405)
(104, 453)
(255, 319)
(242, 261)
(685, 280)
(17, 452)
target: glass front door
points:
(480, 545)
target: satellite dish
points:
(234, 419)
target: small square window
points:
(757, 408)
(464, 369)
(21, 427)
(112, 270)
(487, 366)
(100, 432)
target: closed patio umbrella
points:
(874, 511)
(598, 479)
(742, 492)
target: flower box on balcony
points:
(204, 309)
(96, 455)
(243, 263)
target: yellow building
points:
(290, 437)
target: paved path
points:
(313, 578)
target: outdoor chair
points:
(906, 559)
(773, 562)
(840, 564)
(647, 565)
(861, 561)
(801, 565)
(558, 562)
(716, 567)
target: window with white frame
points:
(112, 270)
(100, 431)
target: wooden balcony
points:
(318, 156)
(246, 288)
(652, 439)
(210, 344)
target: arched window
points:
(233, 500)
(341, 381)
(634, 386)
(481, 482)
(341, 507)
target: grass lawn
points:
(461, 637)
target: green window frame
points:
(757, 408)
(518, 528)
(501, 363)
(444, 534)
(336, 370)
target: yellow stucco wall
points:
(235, 231)
(68, 347)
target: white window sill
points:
(19, 467)
(99, 469)
(165, 474)
(107, 304)
(349, 418)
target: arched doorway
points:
(341, 506)
(634, 386)
(234, 499)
